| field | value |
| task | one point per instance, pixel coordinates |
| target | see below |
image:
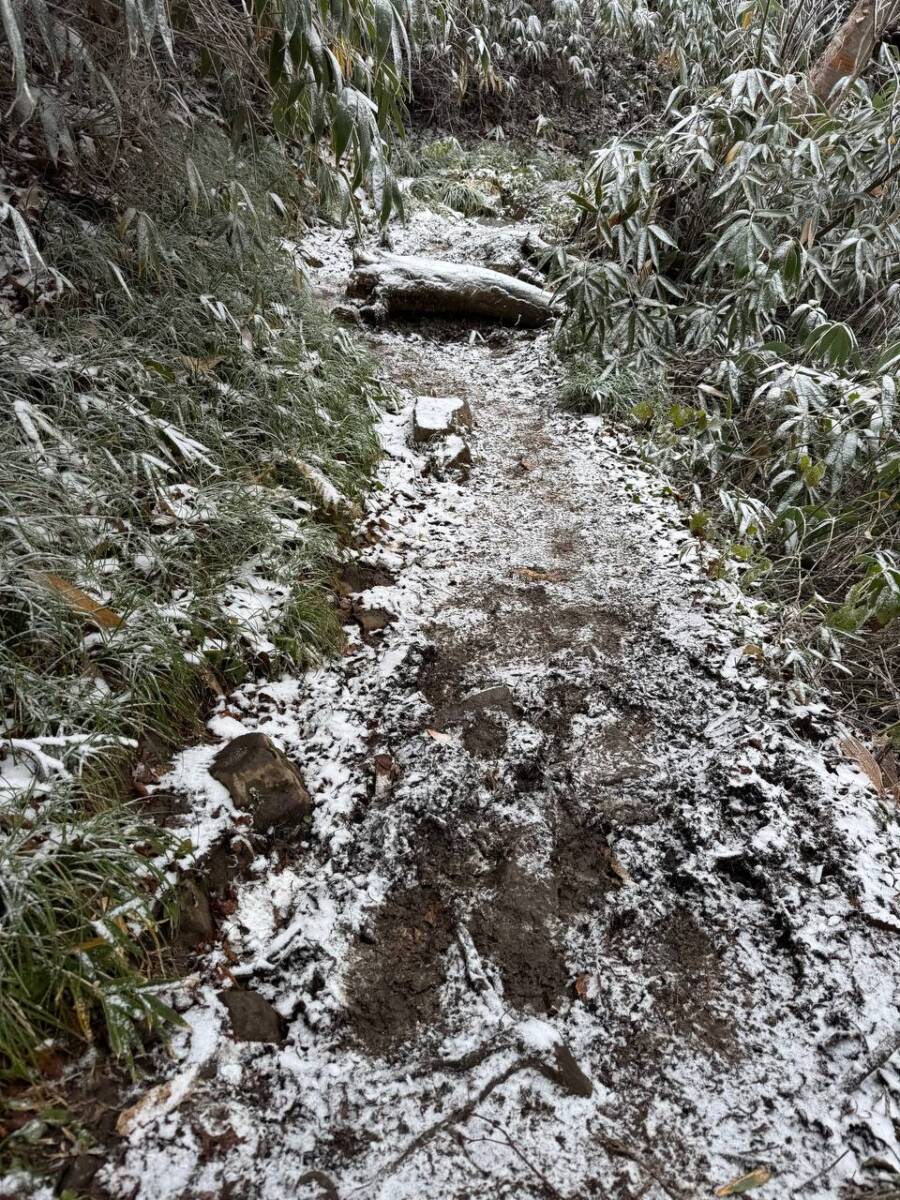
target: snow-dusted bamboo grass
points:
(735, 292)
(180, 419)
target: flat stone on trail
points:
(262, 780)
(453, 455)
(253, 1019)
(372, 620)
(439, 416)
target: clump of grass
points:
(184, 440)
(80, 905)
(461, 196)
(588, 389)
(838, 623)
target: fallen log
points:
(408, 286)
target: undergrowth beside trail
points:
(510, 180)
(184, 438)
(732, 290)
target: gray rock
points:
(372, 620)
(263, 781)
(348, 313)
(79, 1173)
(453, 455)
(253, 1019)
(438, 417)
(195, 921)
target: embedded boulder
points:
(439, 416)
(253, 1019)
(452, 455)
(263, 781)
(372, 620)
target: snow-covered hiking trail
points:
(590, 905)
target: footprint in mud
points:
(473, 870)
(394, 979)
(511, 929)
(514, 918)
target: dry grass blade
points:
(540, 574)
(745, 1183)
(887, 760)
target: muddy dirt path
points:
(589, 905)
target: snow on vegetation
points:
(176, 474)
(590, 904)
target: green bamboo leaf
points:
(276, 58)
(25, 101)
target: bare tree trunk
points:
(848, 52)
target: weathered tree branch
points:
(846, 55)
(429, 287)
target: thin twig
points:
(824, 1171)
(515, 1149)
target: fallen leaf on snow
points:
(131, 1118)
(866, 762)
(539, 575)
(443, 738)
(745, 1183)
(156, 1103)
(201, 366)
(385, 764)
(618, 870)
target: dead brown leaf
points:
(539, 574)
(386, 764)
(745, 1183)
(443, 738)
(201, 366)
(80, 601)
(866, 761)
(139, 1113)
(887, 760)
(618, 870)
(210, 682)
